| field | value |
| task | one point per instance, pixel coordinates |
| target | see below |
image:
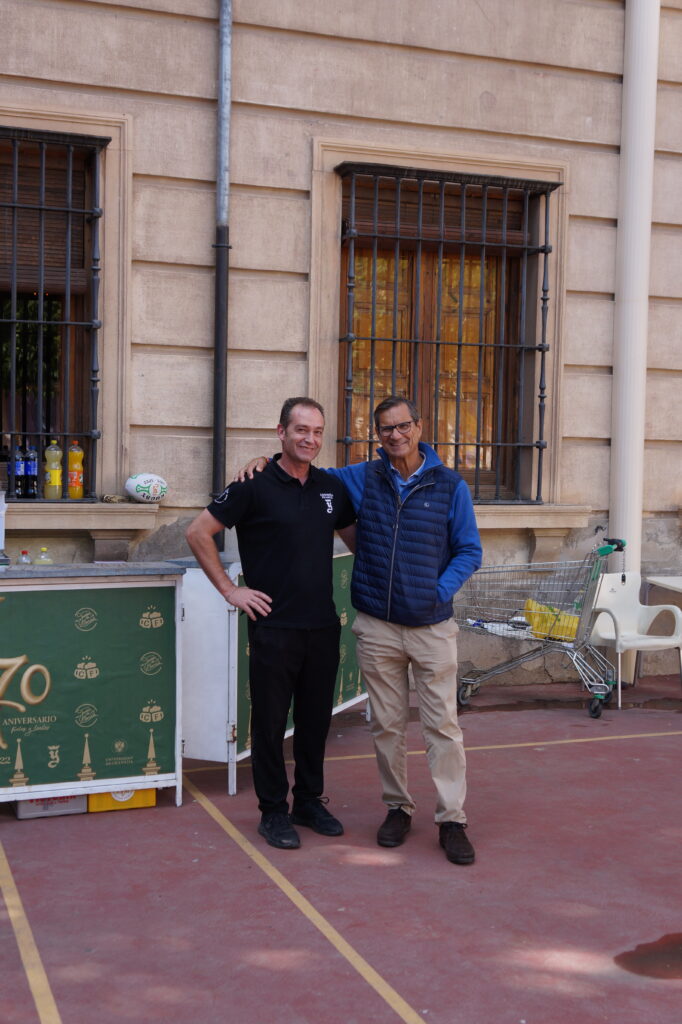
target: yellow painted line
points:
(373, 979)
(490, 746)
(534, 743)
(30, 957)
(577, 739)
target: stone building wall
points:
(491, 85)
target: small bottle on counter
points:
(24, 558)
(43, 558)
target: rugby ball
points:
(147, 488)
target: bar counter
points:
(90, 693)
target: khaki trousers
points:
(385, 651)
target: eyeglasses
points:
(402, 428)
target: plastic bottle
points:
(43, 558)
(24, 559)
(75, 470)
(30, 472)
(19, 472)
(53, 471)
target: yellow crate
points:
(121, 800)
(549, 623)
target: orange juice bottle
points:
(75, 470)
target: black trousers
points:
(286, 665)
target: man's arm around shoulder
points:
(353, 479)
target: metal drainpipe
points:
(633, 247)
(4, 560)
(222, 251)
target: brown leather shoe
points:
(394, 828)
(453, 839)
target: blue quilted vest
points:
(402, 547)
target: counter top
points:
(89, 569)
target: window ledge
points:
(111, 527)
(68, 517)
(548, 525)
(530, 517)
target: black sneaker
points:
(278, 831)
(394, 828)
(453, 839)
(315, 815)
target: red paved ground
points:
(158, 915)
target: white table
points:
(665, 582)
(673, 583)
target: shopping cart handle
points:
(610, 545)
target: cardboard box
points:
(51, 806)
(122, 799)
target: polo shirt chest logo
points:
(328, 499)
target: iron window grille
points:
(50, 217)
(445, 297)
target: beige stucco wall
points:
(534, 83)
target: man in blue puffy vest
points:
(416, 544)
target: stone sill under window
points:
(111, 526)
(548, 525)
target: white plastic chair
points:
(624, 622)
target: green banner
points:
(87, 684)
(349, 684)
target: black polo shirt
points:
(285, 532)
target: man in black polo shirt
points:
(285, 519)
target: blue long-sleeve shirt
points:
(465, 543)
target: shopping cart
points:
(548, 602)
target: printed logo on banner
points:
(151, 618)
(85, 715)
(19, 778)
(86, 669)
(120, 756)
(151, 767)
(344, 579)
(151, 663)
(53, 756)
(85, 619)
(32, 677)
(152, 712)
(86, 774)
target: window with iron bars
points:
(444, 299)
(49, 292)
